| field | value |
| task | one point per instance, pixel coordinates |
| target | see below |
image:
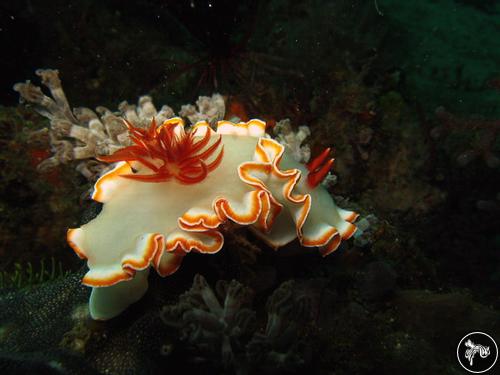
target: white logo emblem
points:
(483, 351)
(477, 352)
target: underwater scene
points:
(249, 187)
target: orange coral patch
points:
(236, 109)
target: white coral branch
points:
(294, 140)
(83, 134)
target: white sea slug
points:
(172, 189)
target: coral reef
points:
(30, 336)
(305, 324)
(368, 226)
(53, 334)
(33, 205)
(293, 140)
(81, 134)
(220, 326)
(282, 344)
(217, 324)
(208, 108)
(378, 281)
(395, 156)
(477, 137)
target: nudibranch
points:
(172, 189)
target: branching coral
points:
(82, 134)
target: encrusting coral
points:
(174, 186)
